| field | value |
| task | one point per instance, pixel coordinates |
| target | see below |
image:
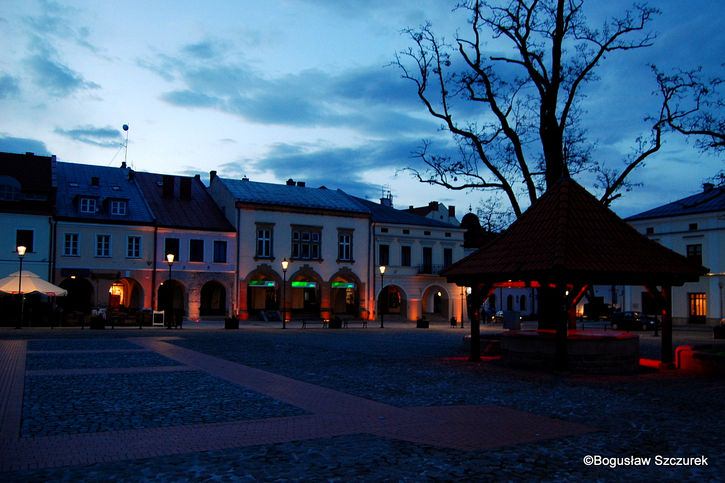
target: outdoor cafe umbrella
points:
(30, 283)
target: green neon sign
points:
(342, 285)
(304, 284)
(262, 283)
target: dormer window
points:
(118, 207)
(87, 205)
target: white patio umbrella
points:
(31, 283)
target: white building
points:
(323, 234)
(414, 249)
(694, 227)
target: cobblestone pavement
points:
(390, 375)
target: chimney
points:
(168, 186)
(301, 184)
(451, 211)
(95, 181)
(131, 174)
(387, 201)
(707, 187)
(212, 175)
(185, 188)
(123, 164)
(411, 208)
(245, 178)
(290, 182)
(433, 205)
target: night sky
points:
(299, 89)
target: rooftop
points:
(258, 193)
(710, 199)
(387, 214)
(102, 183)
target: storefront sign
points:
(262, 283)
(342, 285)
(298, 284)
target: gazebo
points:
(565, 242)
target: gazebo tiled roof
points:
(570, 236)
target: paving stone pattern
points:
(425, 374)
(86, 344)
(95, 360)
(72, 404)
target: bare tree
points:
(525, 131)
(693, 107)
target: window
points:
(264, 241)
(406, 231)
(697, 307)
(694, 253)
(220, 251)
(133, 246)
(344, 246)
(650, 230)
(427, 260)
(9, 188)
(448, 234)
(88, 205)
(426, 233)
(447, 257)
(383, 230)
(196, 250)
(118, 207)
(384, 255)
(103, 245)
(306, 243)
(405, 255)
(171, 245)
(692, 227)
(24, 238)
(70, 245)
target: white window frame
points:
(118, 207)
(71, 249)
(99, 253)
(263, 246)
(129, 253)
(87, 205)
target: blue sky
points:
(300, 89)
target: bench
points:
(323, 323)
(363, 322)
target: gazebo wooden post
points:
(562, 327)
(667, 350)
(475, 300)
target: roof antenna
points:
(125, 145)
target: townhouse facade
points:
(414, 249)
(322, 235)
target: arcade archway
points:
(435, 302)
(125, 293)
(80, 295)
(392, 301)
(304, 294)
(345, 294)
(213, 299)
(171, 300)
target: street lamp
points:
(468, 293)
(169, 301)
(21, 253)
(285, 264)
(382, 287)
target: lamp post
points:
(169, 294)
(382, 287)
(468, 294)
(285, 264)
(21, 254)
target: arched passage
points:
(345, 294)
(125, 293)
(392, 301)
(435, 302)
(213, 299)
(264, 291)
(304, 293)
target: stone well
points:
(588, 351)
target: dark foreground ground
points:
(403, 405)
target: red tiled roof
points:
(569, 236)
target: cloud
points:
(58, 79)
(11, 144)
(8, 86)
(105, 137)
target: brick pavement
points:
(333, 413)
